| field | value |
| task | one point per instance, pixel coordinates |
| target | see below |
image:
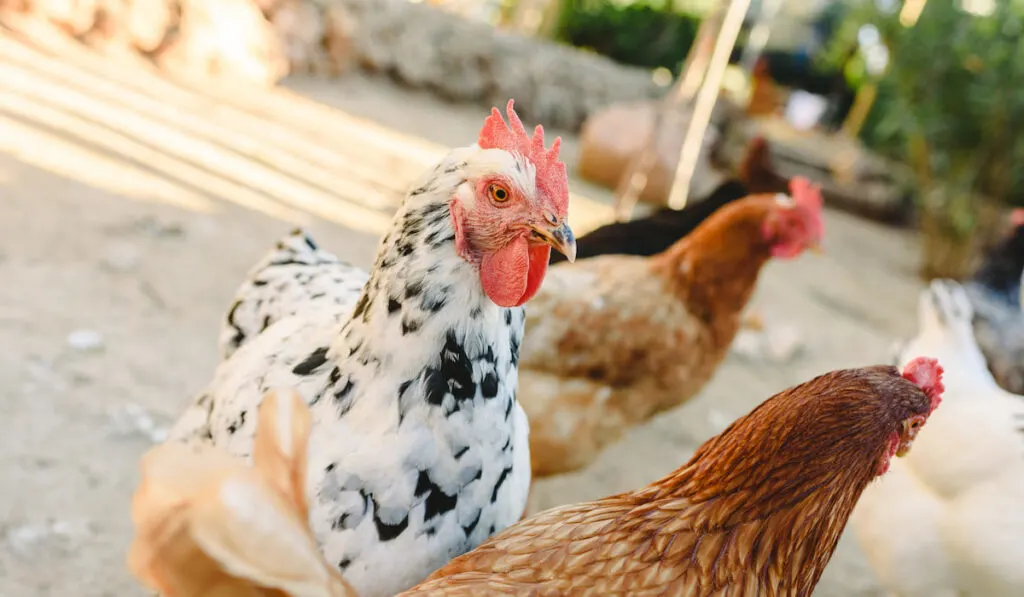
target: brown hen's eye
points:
(498, 193)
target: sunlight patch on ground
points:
(68, 160)
(171, 142)
(131, 151)
(189, 143)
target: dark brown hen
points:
(660, 230)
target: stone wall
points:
(418, 45)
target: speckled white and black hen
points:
(418, 450)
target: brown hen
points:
(613, 340)
(756, 512)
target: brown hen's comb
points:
(552, 180)
(1017, 217)
(926, 373)
(807, 197)
(805, 193)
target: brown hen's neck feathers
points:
(757, 511)
(778, 485)
(714, 268)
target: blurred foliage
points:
(652, 34)
(948, 103)
(645, 33)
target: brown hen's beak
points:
(560, 238)
(907, 437)
(817, 249)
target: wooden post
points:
(760, 33)
(634, 180)
(705, 102)
(862, 103)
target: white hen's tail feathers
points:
(946, 332)
(295, 275)
(944, 309)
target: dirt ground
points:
(132, 208)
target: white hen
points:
(418, 449)
(948, 520)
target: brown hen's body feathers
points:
(616, 339)
(756, 512)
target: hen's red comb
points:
(552, 180)
(805, 193)
(1017, 217)
(807, 197)
(926, 373)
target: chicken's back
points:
(617, 339)
(295, 275)
(607, 344)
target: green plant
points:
(645, 33)
(949, 104)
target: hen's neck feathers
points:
(420, 290)
(714, 268)
(781, 507)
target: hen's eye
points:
(498, 193)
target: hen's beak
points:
(560, 238)
(817, 249)
(910, 428)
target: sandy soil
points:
(133, 207)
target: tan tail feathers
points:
(207, 525)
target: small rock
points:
(121, 257)
(24, 537)
(158, 228)
(783, 342)
(85, 340)
(81, 378)
(148, 22)
(228, 39)
(132, 418)
(774, 344)
(747, 344)
(300, 27)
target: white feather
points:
(948, 519)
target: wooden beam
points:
(705, 102)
